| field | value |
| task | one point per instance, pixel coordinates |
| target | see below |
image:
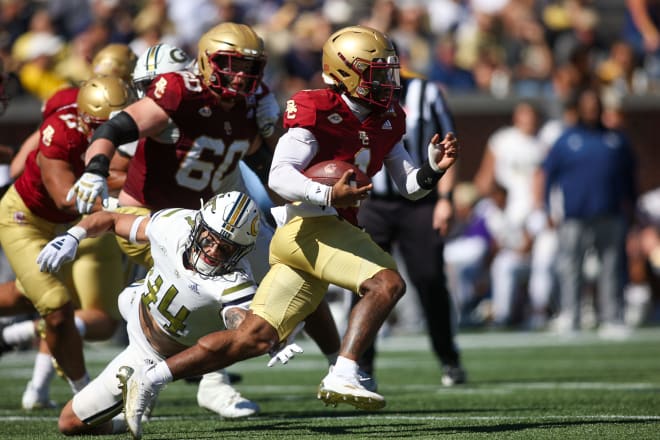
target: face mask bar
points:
(380, 83)
(235, 74)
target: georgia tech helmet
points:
(363, 63)
(230, 223)
(102, 96)
(158, 59)
(114, 60)
(231, 59)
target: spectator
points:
(642, 31)
(510, 160)
(444, 70)
(594, 169)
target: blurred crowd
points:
(543, 49)
(499, 47)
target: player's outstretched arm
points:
(63, 248)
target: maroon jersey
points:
(341, 136)
(60, 138)
(198, 156)
(62, 99)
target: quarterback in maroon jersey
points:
(358, 120)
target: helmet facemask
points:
(210, 253)
(234, 74)
(362, 63)
(225, 230)
(380, 83)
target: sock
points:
(19, 333)
(159, 375)
(80, 326)
(119, 425)
(332, 357)
(78, 384)
(345, 367)
(43, 372)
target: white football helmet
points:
(228, 224)
(158, 59)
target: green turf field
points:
(521, 386)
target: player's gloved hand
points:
(290, 349)
(268, 112)
(86, 189)
(57, 252)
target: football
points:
(330, 171)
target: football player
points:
(213, 118)
(198, 284)
(358, 120)
(34, 210)
(112, 60)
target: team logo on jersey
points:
(47, 135)
(363, 137)
(160, 87)
(228, 129)
(335, 118)
(205, 111)
(194, 287)
(387, 125)
(291, 109)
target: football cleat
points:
(367, 381)
(138, 395)
(216, 394)
(335, 389)
(453, 375)
(35, 399)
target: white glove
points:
(57, 252)
(289, 351)
(268, 112)
(86, 190)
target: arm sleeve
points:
(403, 172)
(295, 149)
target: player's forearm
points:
(98, 223)
(99, 146)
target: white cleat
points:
(137, 395)
(216, 394)
(36, 399)
(335, 389)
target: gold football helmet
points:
(231, 59)
(363, 63)
(114, 60)
(100, 97)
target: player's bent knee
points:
(388, 284)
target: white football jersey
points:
(186, 305)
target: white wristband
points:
(132, 235)
(77, 232)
